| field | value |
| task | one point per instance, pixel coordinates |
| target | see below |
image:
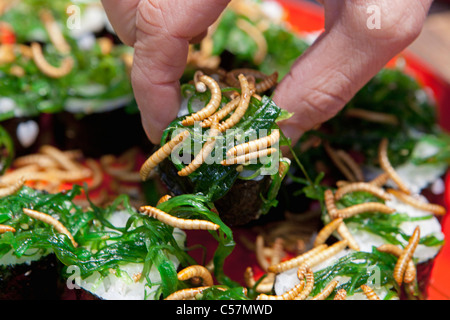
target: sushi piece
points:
(242, 191)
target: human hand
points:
(344, 58)
(160, 32)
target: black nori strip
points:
(38, 280)
(97, 134)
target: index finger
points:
(163, 32)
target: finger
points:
(122, 16)
(345, 57)
(164, 30)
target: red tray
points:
(307, 17)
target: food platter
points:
(136, 212)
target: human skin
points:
(335, 67)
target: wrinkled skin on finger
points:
(344, 58)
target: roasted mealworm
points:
(330, 203)
(321, 256)
(186, 224)
(196, 271)
(406, 256)
(266, 81)
(54, 32)
(241, 109)
(245, 158)
(338, 162)
(48, 219)
(222, 113)
(53, 72)
(60, 157)
(161, 154)
(213, 104)
(255, 145)
(370, 294)
(351, 164)
(307, 289)
(297, 261)
(97, 174)
(380, 180)
(289, 295)
(373, 116)
(163, 199)
(206, 150)
(9, 190)
(345, 234)
(420, 204)
(326, 231)
(361, 186)
(5, 228)
(387, 167)
(340, 295)
(42, 160)
(410, 271)
(257, 36)
(186, 294)
(362, 208)
(325, 293)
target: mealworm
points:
(336, 159)
(380, 180)
(410, 271)
(106, 45)
(325, 293)
(41, 160)
(206, 150)
(257, 36)
(361, 186)
(387, 167)
(186, 294)
(245, 158)
(163, 199)
(307, 289)
(60, 157)
(330, 203)
(48, 219)
(196, 271)
(68, 176)
(244, 101)
(222, 113)
(213, 104)
(362, 208)
(161, 154)
(373, 116)
(97, 174)
(265, 286)
(288, 295)
(9, 190)
(320, 256)
(326, 231)
(419, 204)
(255, 145)
(54, 32)
(343, 231)
(53, 72)
(340, 295)
(186, 224)
(297, 261)
(267, 81)
(351, 164)
(259, 250)
(370, 294)
(406, 256)
(5, 228)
